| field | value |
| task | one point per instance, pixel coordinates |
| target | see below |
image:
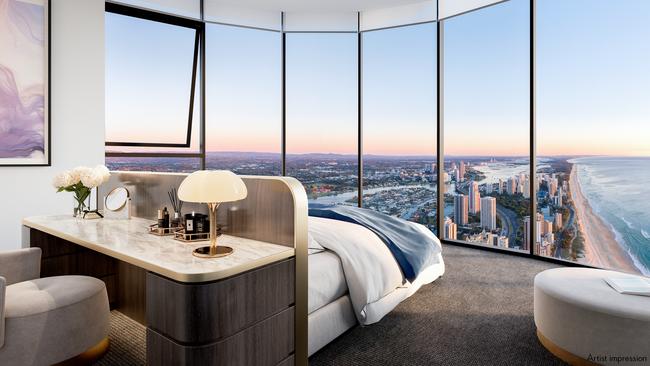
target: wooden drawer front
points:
(289, 361)
(208, 312)
(267, 343)
(50, 244)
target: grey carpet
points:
(128, 342)
(479, 313)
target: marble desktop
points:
(129, 241)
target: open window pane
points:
(244, 100)
(149, 67)
(399, 122)
(321, 122)
(486, 124)
(593, 132)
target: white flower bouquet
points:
(81, 181)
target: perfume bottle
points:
(161, 219)
(165, 218)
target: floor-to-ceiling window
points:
(486, 126)
(593, 131)
(399, 122)
(243, 100)
(322, 115)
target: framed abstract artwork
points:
(24, 83)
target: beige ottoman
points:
(52, 319)
(583, 321)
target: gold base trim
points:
(92, 355)
(206, 252)
(561, 353)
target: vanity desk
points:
(242, 309)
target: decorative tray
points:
(181, 235)
(163, 231)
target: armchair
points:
(16, 266)
(44, 321)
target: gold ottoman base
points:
(92, 355)
(561, 353)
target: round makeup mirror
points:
(116, 199)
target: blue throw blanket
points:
(413, 249)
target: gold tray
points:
(181, 235)
(163, 231)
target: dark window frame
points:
(199, 28)
(440, 116)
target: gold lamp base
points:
(207, 252)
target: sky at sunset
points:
(592, 69)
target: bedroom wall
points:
(77, 110)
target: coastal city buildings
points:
(489, 213)
(461, 209)
(450, 229)
(474, 198)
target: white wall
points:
(77, 107)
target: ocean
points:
(618, 190)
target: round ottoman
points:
(584, 321)
(53, 319)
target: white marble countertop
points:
(129, 241)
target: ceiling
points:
(318, 5)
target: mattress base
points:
(329, 322)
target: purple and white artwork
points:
(24, 123)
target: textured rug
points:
(479, 313)
(128, 342)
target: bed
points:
(354, 278)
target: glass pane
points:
(148, 80)
(322, 124)
(161, 164)
(244, 100)
(593, 132)
(399, 122)
(487, 126)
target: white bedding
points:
(326, 279)
(374, 280)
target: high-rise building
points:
(461, 172)
(511, 186)
(546, 227)
(450, 229)
(558, 198)
(557, 221)
(461, 209)
(489, 213)
(500, 186)
(474, 198)
(552, 187)
(526, 188)
(488, 188)
(538, 231)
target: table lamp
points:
(212, 187)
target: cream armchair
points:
(44, 321)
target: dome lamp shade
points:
(212, 187)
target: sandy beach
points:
(601, 247)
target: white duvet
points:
(374, 279)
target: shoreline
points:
(597, 234)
